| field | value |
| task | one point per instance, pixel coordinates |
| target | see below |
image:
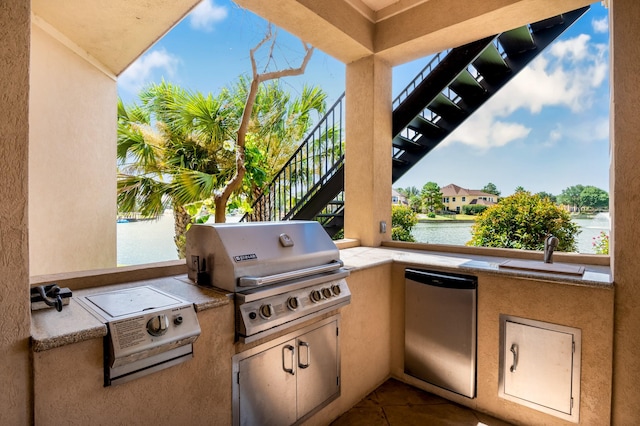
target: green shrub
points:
(432, 215)
(523, 221)
(401, 234)
(473, 209)
(403, 219)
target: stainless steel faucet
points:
(550, 244)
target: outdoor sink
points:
(539, 266)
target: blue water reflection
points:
(457, 233)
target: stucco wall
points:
(69, 384)
(367, 182)
(589, 309)
(365, 340)
(625, 184)
(72, 164)
(15, 397)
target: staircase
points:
(446, 92)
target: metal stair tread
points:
(517, 40)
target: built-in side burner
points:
(149, 330)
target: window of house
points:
(464, 199)
(454, 199)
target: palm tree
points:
(177, 148)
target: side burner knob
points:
(158, 325)
(315, 296)
(336, 289)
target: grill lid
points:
(235, 255)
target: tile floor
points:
(397, 404)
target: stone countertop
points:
(51, 329)
(366, 257)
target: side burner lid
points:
(119, 303)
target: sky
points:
(546, 130)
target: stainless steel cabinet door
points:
(539, 366)
(317, 372)
(267, 386)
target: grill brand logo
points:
(244, 257)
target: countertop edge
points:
(47, 343)
(359, 258)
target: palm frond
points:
(189, 186)
(143, 194)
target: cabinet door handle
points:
(300, 364)
(514, 351)
(291, 370)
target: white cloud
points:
(575, 49)
(483, 130)
(206, 14)
(567, 75)
(556, 134)
(600, 25)
(141, 71)
(590, 131)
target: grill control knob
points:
(178, 320)
(336, 289)
(158, 325)
(266, 311)
(315, 296)
(326, 292)
(293, 303)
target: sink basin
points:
(539, 266)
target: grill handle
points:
(292, 275)
(308, 363)
(293, 353)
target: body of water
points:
(460, 233)
(152, 241)
(149, 241)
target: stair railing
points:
(419, 77)
(316, 159)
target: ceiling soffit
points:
(440, 24)
(378, 10)
(405, 30)
(114, 32)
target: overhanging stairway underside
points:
(443, 95)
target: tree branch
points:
(235, 182)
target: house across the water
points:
(454, 197)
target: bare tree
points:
(222, 197)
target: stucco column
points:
(625, 205)
(368, 151)
(15, 397)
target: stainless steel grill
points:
(282, 273)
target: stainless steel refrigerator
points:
(440, 329)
